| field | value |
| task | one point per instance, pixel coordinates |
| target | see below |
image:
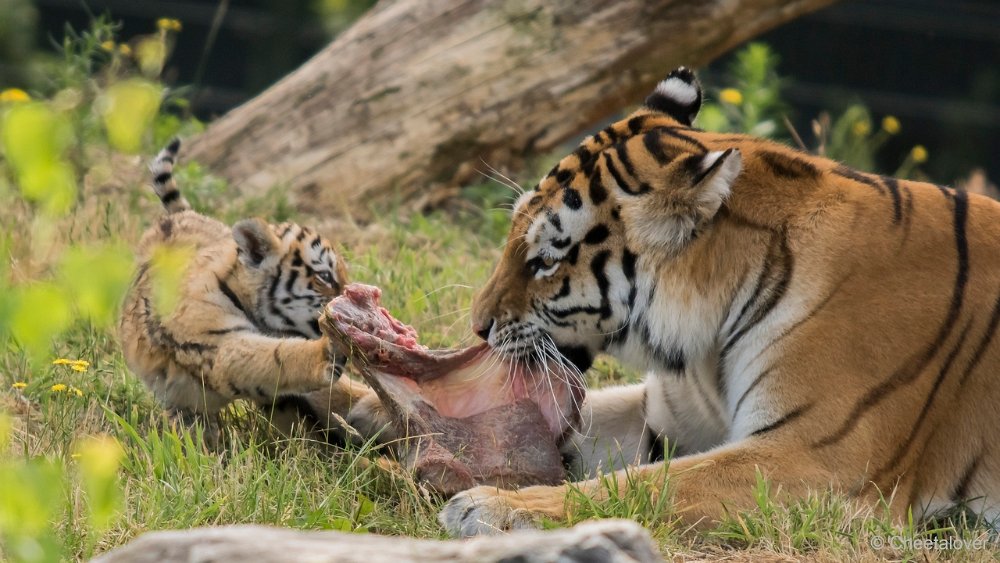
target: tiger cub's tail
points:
(162, 169)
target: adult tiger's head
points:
(294, 272)
(640, 187)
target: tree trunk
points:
(416, 89)
(614, 541)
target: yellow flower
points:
(14, 95)
(108, 45)
(125, 50)
(731, 96)
(75, 391)
(19, 385)
(57, 388)
(75, 365)
(918, 154)
(890, 124)
(861, 128)
(168, 24)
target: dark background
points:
(935, 64)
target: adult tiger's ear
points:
(678, 95)
(255, 241)
(693, 189)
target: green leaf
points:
(39, 312)
(108, 269)
(129, 109)
(34, 138)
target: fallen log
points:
(417, 93)
(614, 541)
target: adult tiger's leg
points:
(612, 434)
(701, 487)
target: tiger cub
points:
(246, 322)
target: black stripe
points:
(231, 295)
(897, 201)
(680, 111)
(783, 420)
(775, 290)
(753, 385)
(623, 157)
(598, 193)
(162, 178)
(561, 242)
(675, 133)
(564, 290)
(597, 265)
(221, 331)
(555, 220)
(961, 489)
(901, 450)
(170, 197)
(815, 311)
(787, 166)
(914, 366)
(636, 124)
(699, 176)
(628, 270)
(654, 446)
(651, 140)
(571, 198)
(167, 226)
(597, 235)
(616, 174)
(852, 174)
(290, 282)
(983, 344)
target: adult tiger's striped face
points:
(641, 189)
(295, 272)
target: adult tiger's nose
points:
(483, 330)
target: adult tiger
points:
(822, 325)
(246, 326)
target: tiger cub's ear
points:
(678, 95)
(255, 241)
(692, 191)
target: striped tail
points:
(162, 169)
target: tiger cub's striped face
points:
(296, 272)
(572, 269)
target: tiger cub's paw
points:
(371, 419)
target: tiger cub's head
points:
(293, 272)
(641, 189)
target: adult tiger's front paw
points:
(489, 511)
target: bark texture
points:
(420, 93)
(613, 541)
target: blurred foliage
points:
(36, 492)
(337, 15)
(63, 265)
(750, 102)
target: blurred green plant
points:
(751, 102)
(337, 15)
(36, 492)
